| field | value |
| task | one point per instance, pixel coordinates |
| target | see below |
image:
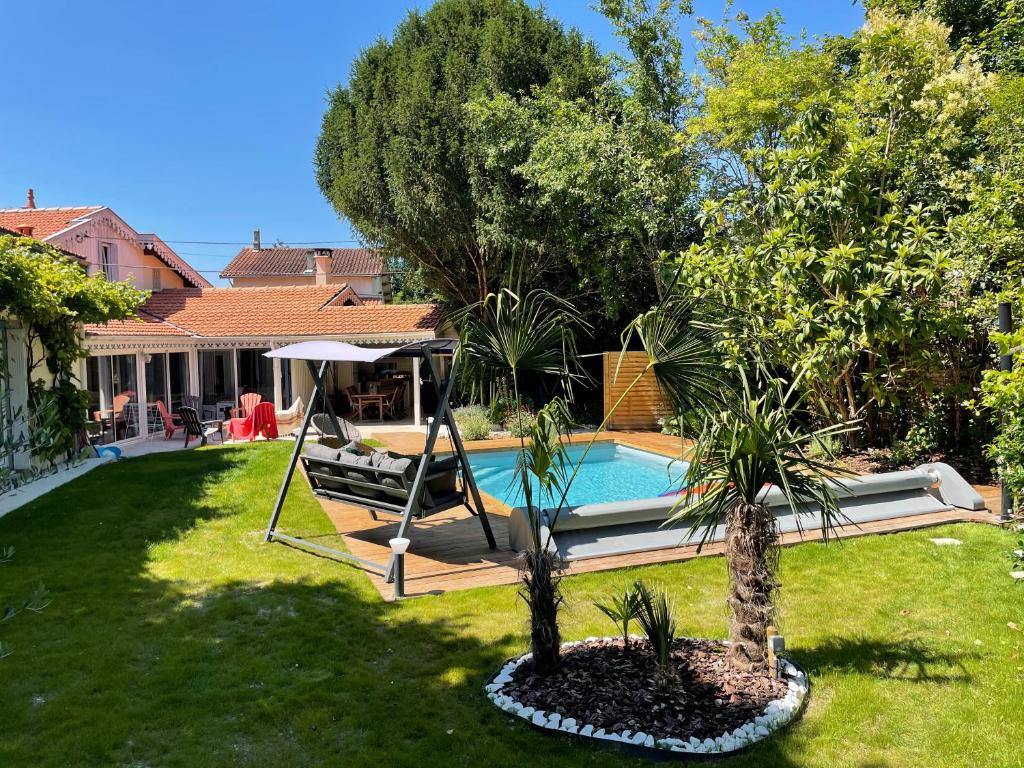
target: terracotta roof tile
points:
(44, 221)
(292, 261)
(272, 311)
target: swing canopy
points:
(396, 486)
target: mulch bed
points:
(602, 684)
(974, 469)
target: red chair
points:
(172, 422)
(262, 421)
(248, 402)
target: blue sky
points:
(197, 120)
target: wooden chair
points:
(394, 405)
(260, 421)
(196, 428)
(172, 422)
(249, 402)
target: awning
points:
(340, 351)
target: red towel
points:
(262, 421)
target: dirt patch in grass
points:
(610, 687)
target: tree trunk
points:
(542, 594)
(752, 554)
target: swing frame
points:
(327, 352)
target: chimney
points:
(31, 202)
(256, 240)
(26, 231)
(321, 265)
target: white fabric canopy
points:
(331, 350)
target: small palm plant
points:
(743, 451)
(654, 614)
(622, 611)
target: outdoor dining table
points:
(359, 402)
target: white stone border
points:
(777, 714)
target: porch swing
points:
(406, 488)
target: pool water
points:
(609, 473)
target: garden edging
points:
(778, 714)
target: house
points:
(362, 269)
(105, 243)
(211, 342)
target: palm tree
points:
(503, 337)
(506, 335)
(743, 449)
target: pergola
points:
(318, 356)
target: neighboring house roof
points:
(43, 221)
(280, 311)
(50, 223)
(266, 262)
(69, 254)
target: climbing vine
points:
(51, 295)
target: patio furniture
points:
(361, 402)
(287, 418)
(172, 421)
(334, 436)
(401, 486)
(382, 483)
(112, 417)
(621, 527)
(261, 421)
(249, 401)
(394, 402)
(194, 427)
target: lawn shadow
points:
(907, 659)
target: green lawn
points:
(177, 638)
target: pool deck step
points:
(448, 550)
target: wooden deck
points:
(449, 551)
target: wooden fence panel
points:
(644, 405)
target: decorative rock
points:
(776, 713)
(946, 542)
(1018, 575)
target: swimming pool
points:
(609, 473)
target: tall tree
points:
(397, 156)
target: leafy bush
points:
(521, 425)
(688, 424)
(473, 422)
(915, 447)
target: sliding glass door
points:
(256, 373)
(112, 384)
(217, 378)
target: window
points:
(107, 261)
(157, 272)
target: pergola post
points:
(417, 406)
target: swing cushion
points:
(395, 486)
(318, 451)
(357, 472)
(443, 485)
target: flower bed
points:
(607, 692)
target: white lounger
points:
(594, 530)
